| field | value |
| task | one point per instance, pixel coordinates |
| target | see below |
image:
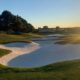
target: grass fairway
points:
(68, 70)
(5, 38)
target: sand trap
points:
(17, 50)
(48, 53)
(38, 54)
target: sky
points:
(63, 13)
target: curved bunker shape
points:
(38, 53)
(17, 50)
(47, 54)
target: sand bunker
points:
(17, 50)
(38, 53)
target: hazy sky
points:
(45, 12)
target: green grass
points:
(4, 52)
(5, 38)
(68, 70)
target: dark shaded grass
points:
(68, 70)
(4, 52)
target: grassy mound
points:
(27, 37)
(4, 52)
(68, 70)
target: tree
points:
(57, 28)
(8, 21)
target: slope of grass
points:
(31, 35)
(5, 38)
(4, 52)
(68, 70)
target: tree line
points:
(14, 23)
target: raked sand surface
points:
(17, 51)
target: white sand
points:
(17, 51)
(35, 55)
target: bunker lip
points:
(16, 42)
(17, 51)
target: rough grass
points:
(68, 70)
(5, 38)
(4, 52)
(31, 35)
(69, 39)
